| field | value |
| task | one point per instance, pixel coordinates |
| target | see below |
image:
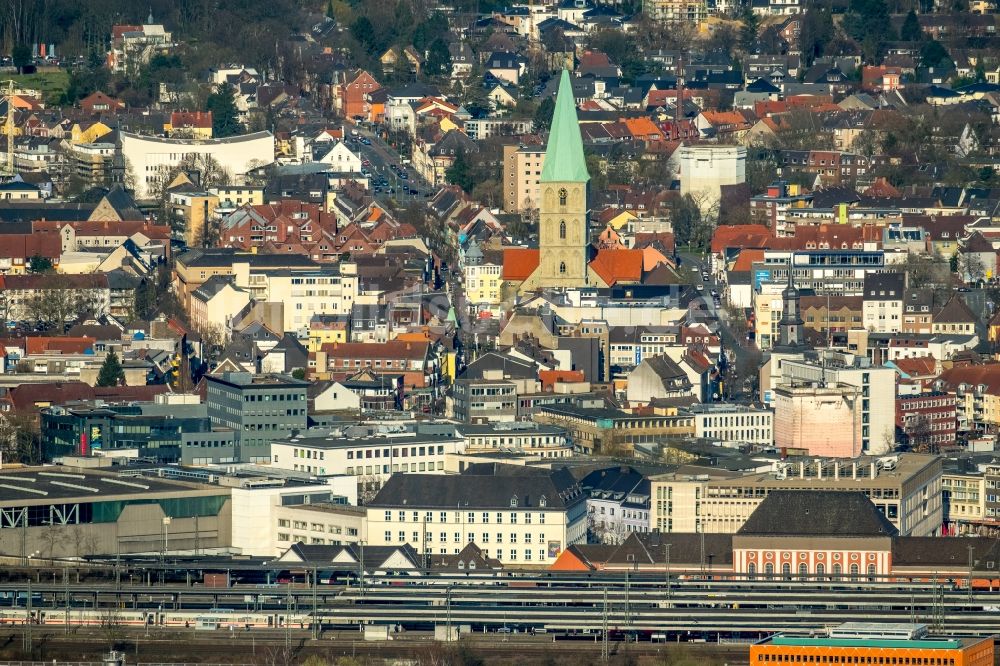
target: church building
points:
(565, 257)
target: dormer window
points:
(542, 501)
(513, 501)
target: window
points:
(769, 569)
(786, 570)
(562, 196)
(751, 570)
(803, 570)
(562, 267)
(562, 230)
(820, 570)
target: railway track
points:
(269, 646)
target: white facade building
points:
(705, 169)
(726, 423)
(152, 158)
(375, 458)
(517, 515)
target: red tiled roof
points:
(973, 375)
(552, 377)
(615, 266)
(519, 263)
(744, 262)
(65, 345)
(740, 235)
(23, 246)
(920, 366)
(391, 349)
(199, 119)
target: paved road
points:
(736, 343)
(382, 158)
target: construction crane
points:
(8, 126)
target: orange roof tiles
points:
(48, 345)
(551, 377)
(643, 128)
(740, 235)
(519, 263)
(615, 266)
(747, 258)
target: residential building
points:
(955, 317)
(659, 377)
(883, 302)
(770, 207)
(964, 499)
(415, 360)
(517, 515)
(259, 408)
(689, 11)
(22, 297)
(189, 124)
(927, 421)
(617, 503)
(522, 170)
(196, 208)
(302, 294)
(132, 46)
(350, 99)
(976, 390)
(918, 311)
(216, 305)
(483, 279)
(832, 314)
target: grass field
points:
(52, 84)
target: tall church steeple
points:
(790, 326)
(563, 236)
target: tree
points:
(39, 264)
(225, 115)
(543, 114)
(685, 217)
(21, 55)
(363, 31)
(910, 32)
(817, 31)
(460, 172)
(56, 301)
(111, 373)
(438, 61)
(933, 54)
(748, 32)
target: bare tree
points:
(368, 487)
(57, 301)
(112, 628)
(611, 532)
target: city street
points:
(382, 158)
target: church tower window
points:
(562, 267)
(562, 196)
(562, 230)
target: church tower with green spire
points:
(563, 233)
